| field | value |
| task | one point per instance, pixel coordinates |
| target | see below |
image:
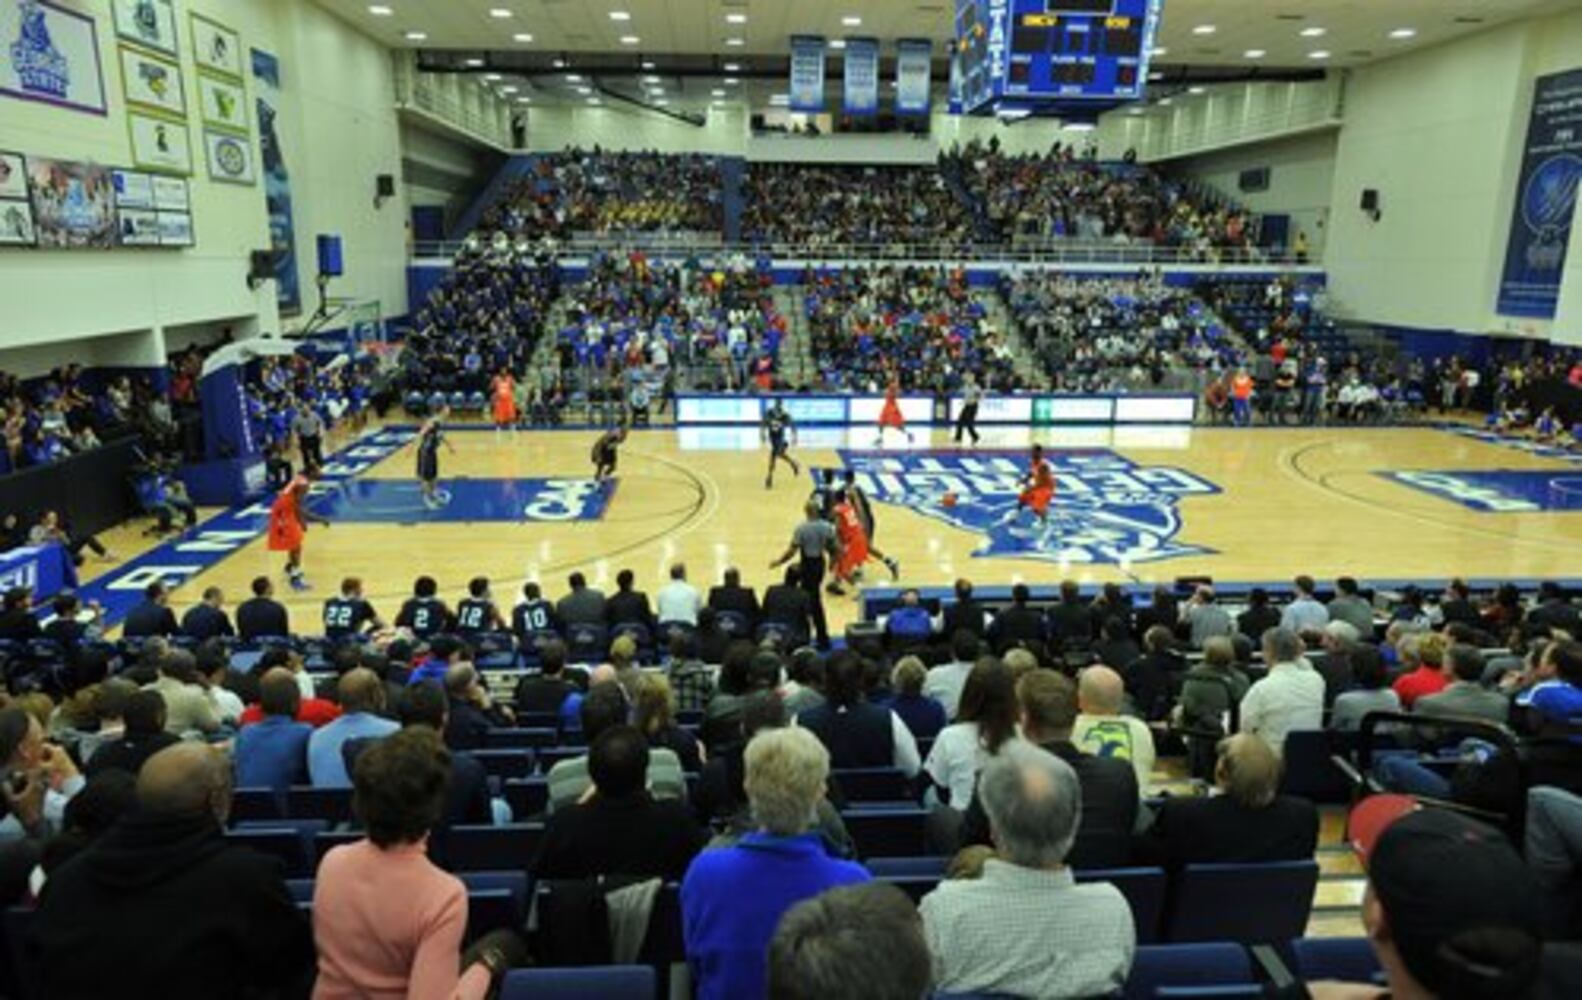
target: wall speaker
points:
(384, 186)
(261, 265)
(331, 264)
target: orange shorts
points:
(1036, 498)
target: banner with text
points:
(1546, 199)
(807, 73)
(913, 75)
(862, 76)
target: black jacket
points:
(1254, 622)
(788, 605)
(1071, 622)
(468, 726)
(204, 622)
(636, 835)
(128, 753)
(1109, 809)
(148, 619)
(741, 600)
(964, 616)
(1016, 624)
(1218, 829)
(261, 616)
(162, 907)
(19, 624)
(629, 607)
(539, 693)
(1152, 682)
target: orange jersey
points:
(286, 527)
(1041, 476)
(1241, 387)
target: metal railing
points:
(1020, 252)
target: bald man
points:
(1104, 730)
(363, 700)
(162, 906)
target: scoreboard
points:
(1032, 54)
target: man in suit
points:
(1070, 620)
(151, 617)
(584, 605)
(789, 604)
(1246, 823)
(965, 614)
(1465, 697)
(261, 614)
(1017, 623)
(1109, 786)
(207, 619)
(628, 606)
(732, 596)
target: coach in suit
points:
(1017, 623)
(1247, 823)
(965, 614)
(152, 616)
(262, 614)
(789, 604)
(583, 606)
(627, 606)
(733, 597)
(207, 620)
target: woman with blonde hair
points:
(655, 718)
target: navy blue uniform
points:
(428, 454)
(533, 616)
(474, 614)
(345, 616)
(776, 423)
(425, 616)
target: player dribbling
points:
(776, 424)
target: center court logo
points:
(1107, 508)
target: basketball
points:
(948, 500)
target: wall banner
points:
(862, 76)
(807, 73)
(1546, 199)
(913, 75)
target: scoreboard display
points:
(1031, 53)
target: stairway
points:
(998, 316)
(512, 170)
(797, 365)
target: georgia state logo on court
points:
(1107, 508)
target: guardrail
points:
(1055, 252)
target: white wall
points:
(1301, 179)
(1438, 133)
(338, 129)
(625, 128)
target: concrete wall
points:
(1301, 179)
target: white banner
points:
(862, 76)
(807, 73)
(913, 75)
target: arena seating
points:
(597, 192)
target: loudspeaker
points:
(330, 263)
(384, 186)
(1370, 199)
(261, 266)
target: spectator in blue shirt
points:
(441, 653)
(923, 715)
(911, 622)
(727, 931)
(362, 697)
(274, 753)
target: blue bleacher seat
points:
(732, 623)
(1144, 889)
(1227, 991)
(256, 804)
(587, 643)
(506, 763)
(1350, 960)
(308, 802)
(629, 982)
(1309, 771)
(293, 845)
(1187, 965)
(888, 832)
(548, 757)
(917, 867)
(1248, 904)
(520, 738)
(873, 784)
(494, 651)
(526, 796)
(492, 848)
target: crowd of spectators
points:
(607, 193)
(923, 323)
(1113, 334)
(65, 413)
(868, 206)
(1061, 195)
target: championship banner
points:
(862, 76)
(1546, 199)
(913, 69)
(807, 73)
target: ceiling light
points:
(851, 21)
(559, 63)
(416, 36)
(661, 102)
(717, 92)
(380, 10)
(630, 39)
(620, 15)
(648, 64)
(732, 67)
(1313, 32)
(584, 90)
(491, 77)
(1156, 75)
(573, 78)
(594, 101)
(735, 42)
(522, 36)
(1159, 50)
(509, 90)
(1255, 53)
(651, 79)
(1204, 29)
(1165, 103)
(1400, 33)
(1197, 90)
(731, 81)
(735, 18)
(472, 63)
(524, 100)
(1318, 54)
(837, 43)
(1134, 112)
(499, 12)
(780, 99)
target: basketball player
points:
(967, 419)
(503, 391)
(891, 415)
(605, 452)
(855, 548)
(477, 611)
(346, 614)
(289, 518)
(429, 438)
(1038, 487)
(775, 425)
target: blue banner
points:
(862, 76)
(46, 570)
(913, 75)
(277, 183)
(1546, 198)
(807, 73)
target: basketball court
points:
(1134, 505)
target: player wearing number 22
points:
(288, 526)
